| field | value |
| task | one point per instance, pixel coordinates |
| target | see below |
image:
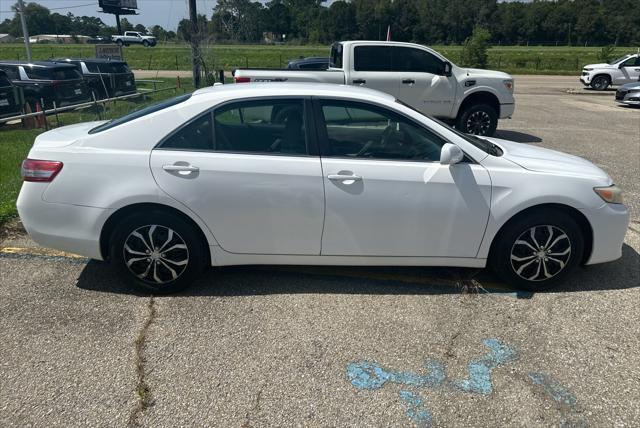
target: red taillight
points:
(242, 79)
(40, 170)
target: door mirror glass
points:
(451, 154)
(448, 69)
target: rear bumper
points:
(609, 224)
(72, 228)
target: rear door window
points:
(12, 71)
(113, 67)
(373, 58)
(52, 73)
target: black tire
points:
(158, 272)
(145, 43)
(478, 119)
(600, 82)
(119, 42)
(555, 262)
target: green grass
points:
(512, 59)
(15, 142)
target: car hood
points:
(631, 86)
(550, 161)
(603, 65)
(479, 72)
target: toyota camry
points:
(315, 175)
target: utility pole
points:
(25, 31)
(195, 41)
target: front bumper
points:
(72, 228)
(609, 224)
(507, 110)
(585, 79)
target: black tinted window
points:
(4, 80)
(358, 130)
(196, 135)
(373, 58)
(336, 55)
(52, 73)
(629, 63)
(92, 67)
(416, 60)
(113, 67)
(275, 126)
(12, 71)
(140, 113)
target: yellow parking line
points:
(39, 252)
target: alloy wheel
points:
(540, 253)
(155, 254)
(478, 123)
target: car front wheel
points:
(157, 252)
(479, 119)
(600, 83)
(537, 251)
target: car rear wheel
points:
(538, 251)
(600, 83)
(479, 119)
(157, 252)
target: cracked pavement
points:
(260, 346)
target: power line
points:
(56, 8)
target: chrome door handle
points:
(181, 168)
(340, 177)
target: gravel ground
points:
(259, 346)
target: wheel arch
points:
(574, 213)
(115, 218)
(479, 97)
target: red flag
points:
(389, 33)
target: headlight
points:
(509, 85)
(611, 194)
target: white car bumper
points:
(506, 110)
(585, 79)
(72, 228)
(609, 224)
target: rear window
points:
(336, 55)
(113, 67)
(140, 113)
(52, 73)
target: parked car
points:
(629, 94)
(9, 98)
(107, 78)
(49, 81)
(417, 75)
(351, 176)
(310, 63)
(618, 72)
(134, 38)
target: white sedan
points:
(316, 175)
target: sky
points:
(166, 13)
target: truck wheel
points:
(478, 119)
(600, 83)
(119, 42)
(145, 43)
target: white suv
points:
(619, 72)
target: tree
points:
(341, 23)
(474, 51)
(140, 28)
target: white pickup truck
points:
(618, 72)
(418, 76)
(134, 38)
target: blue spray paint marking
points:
(553, 388)
(415, 409)
(369, 375)
(479, 379)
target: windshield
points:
(484, 145)
(140, 113)
(615, 61)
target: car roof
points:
(294, 89)
(90, 60)
(42, 64)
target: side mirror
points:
(451, 154)
(448, 69)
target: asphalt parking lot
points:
(267, 346)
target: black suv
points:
(49, 81)
(107, 78)
(9, 97)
